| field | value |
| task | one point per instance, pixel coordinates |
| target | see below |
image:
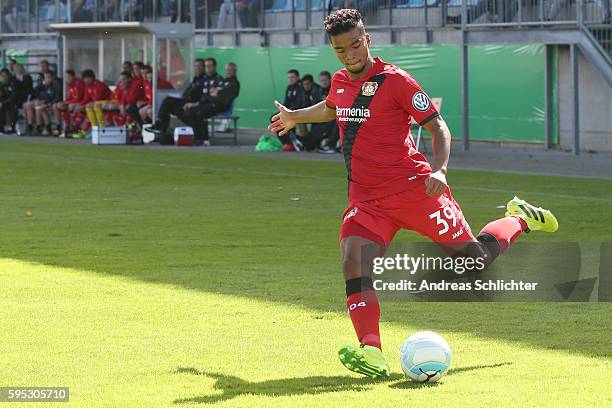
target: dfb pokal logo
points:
(420, 101)
(369, 88)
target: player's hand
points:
(436, 183)
(282, 122)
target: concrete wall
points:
(595, 98)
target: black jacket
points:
(50, 93)
(294, 96)
(213, 81)
(194, 90)
(313, 97)
(229, 89)
(9, 91)
(24, 88)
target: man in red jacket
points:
(96, 95)
(71, 105)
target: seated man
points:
(45, 95)
(8, 100)
(96, 95)
(145, 111)
(313, 94)
(330, 142)
(115, 103)
(218, 99)
(132, 93)
(205, 75)
(68, 108)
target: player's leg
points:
(440, 218)
(89, 111)
(46, 118)
(97, 109)
(28, 107)
(363, 237)
(58, 111)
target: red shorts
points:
(437, 217)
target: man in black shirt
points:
(294, 95)
(9, 92)
(294, 99)
(215, 99)
(312, 91)
(176, 106)
(330, 141)
(49, 93)
(313, 94)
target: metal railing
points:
(22, 17)
(603, 34)
(248, 15)
(28, 17)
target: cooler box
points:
(110, 135)
(183, 136)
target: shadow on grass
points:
(232, 386)
(239, 247)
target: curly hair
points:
(342, 21)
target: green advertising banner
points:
(506, 83)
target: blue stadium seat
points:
(300, 5)
(417, 3)
(279, 5)
(317, 5)
(457, 3)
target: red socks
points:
(505, 231)
(364, 310)
(66, 116)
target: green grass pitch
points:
(170, 278)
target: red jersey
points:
(96, 91)
(148, 92)
(163, 84)
(76, 91)
(374, 115)
(134, 93)
(117, 95)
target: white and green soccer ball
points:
(425, 357)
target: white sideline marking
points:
(281, 174)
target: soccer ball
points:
(425, 357)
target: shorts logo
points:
(420, 101)
(350, 214)
(339, 91)
(369, 88)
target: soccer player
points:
(97, 94)
(392, 186)
(68, 108)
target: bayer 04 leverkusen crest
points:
(369, 88)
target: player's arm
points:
(286, 119)
(441, 140)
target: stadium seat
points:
(457, 3)
(317, 5)
(221, 123)
(417, 3)
(279, 5)
(300, 5)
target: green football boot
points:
(537, 218)
(366, 360)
